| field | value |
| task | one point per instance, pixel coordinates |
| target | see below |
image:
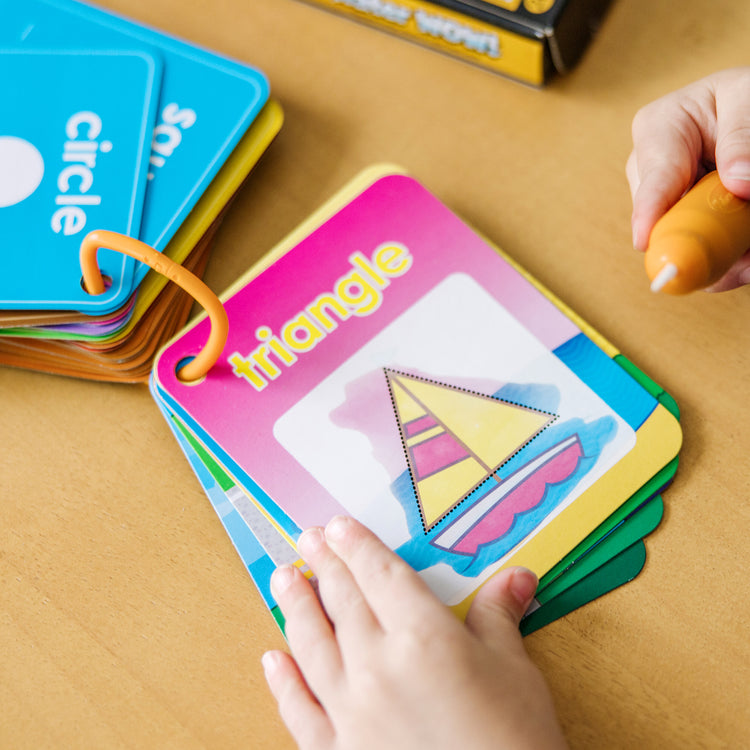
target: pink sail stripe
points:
(419, 425)
(436, 454)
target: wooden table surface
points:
(126, 618)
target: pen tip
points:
(664, 277)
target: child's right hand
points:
(379, 662)
(680, 137)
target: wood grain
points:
(126, 618)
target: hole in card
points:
(106, 278)
(181, 365)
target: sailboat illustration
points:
(456, 442)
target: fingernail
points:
(739, 170)
(744, 276)
(281, 579)
(639, 241)
(337, 528)
(310, 540)
(523, 585)
(269, 662)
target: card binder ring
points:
(93, 283)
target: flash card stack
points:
(386, 362)
(108, 124)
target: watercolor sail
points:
(455, 440)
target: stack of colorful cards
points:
(388, 363)
(111, 125)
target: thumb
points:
(499, 605)
(733, 131)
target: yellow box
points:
(529, 40)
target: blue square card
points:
(207, 102)
(74, 149)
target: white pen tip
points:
(664, 277)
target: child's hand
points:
(386, 665)
(680, 137)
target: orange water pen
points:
(699, 239)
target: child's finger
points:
(499, 605)
(733, 130)
(662, 179)
(308, 631)
(631, 172)
(346, 606)
(668, 146)
(304, 717)
(394, 591)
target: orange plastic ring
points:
(94, 284)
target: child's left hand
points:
(679, 137)
(386, 664)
